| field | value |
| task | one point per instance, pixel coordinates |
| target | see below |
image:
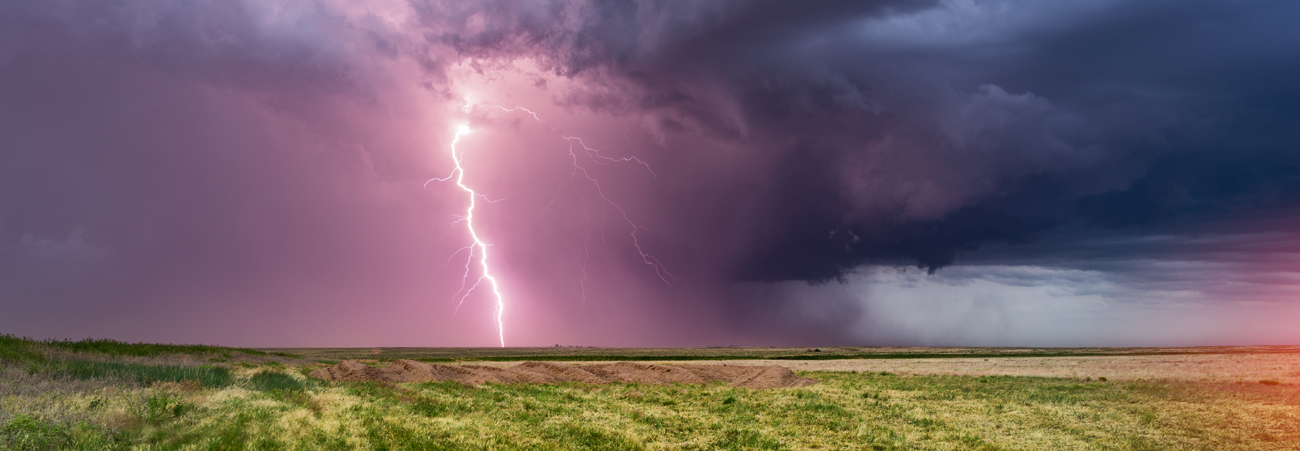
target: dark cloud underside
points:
(153, 151)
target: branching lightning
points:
(459, 173)
(650, 260)
(479, 248)
(594, 154)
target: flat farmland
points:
(1237, 367)
(578, 354)
(108, 395)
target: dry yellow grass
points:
(1184, 401)
(1284, 368)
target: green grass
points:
(266, 409)
(238, 404)
(272, 380)
(161, 407)
(114, 347)
(16, 349)
(211, 376)
(26, 433)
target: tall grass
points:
(27, 433)
(212, 376)
(114, 347)
(24, 432)
(16, 349)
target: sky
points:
(281, 173)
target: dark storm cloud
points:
(189, 168)
(909, 132)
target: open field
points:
(1204, 364)
(58, 396)
(578, 354)
(1284, 368)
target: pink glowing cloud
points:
(258, 173)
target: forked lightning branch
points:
(478, 248)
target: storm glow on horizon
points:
(642, 173)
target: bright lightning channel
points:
(459, 173)
(481, 247)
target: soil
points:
(746, 376)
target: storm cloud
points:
(912, 131)
(166, 160)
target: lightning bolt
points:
(482, 247)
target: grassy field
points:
(579, 354)
(230, 399)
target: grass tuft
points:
(273, 381)
(161, 408)
(28, 433)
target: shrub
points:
(273, 380)
(14, 349)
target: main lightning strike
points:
(459, 173)
(594, 154)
